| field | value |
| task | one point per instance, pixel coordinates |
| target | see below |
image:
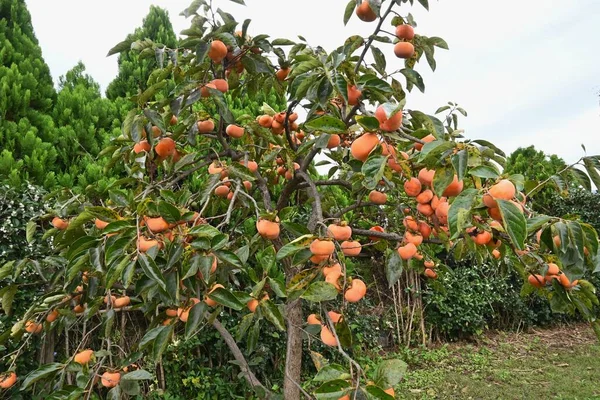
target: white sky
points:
(527, 72)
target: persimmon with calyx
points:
(429, 264)
(430, 273)
(313, 320)
(206, 126)
(234, 131)
(52, 315)
(205, 89)
(412, 187)
(145, 244)
(60, 223)
(365, 13)
(405, 32)
(251, 165)
(482, 238)
(377, 197)
(553, 269)
(361, 147)
(282, 74)
(391, 123)
(504, 190)
(165, 147)
(351, 248)
(222, 191)
(83, 357)
(221, 85)
(322, 247)
(356, 291)
(424, 229)
(122, 302)
(100, 224)
(414, 238)
(334, 316)
(252, 304)
(427, 139)
(265, 121)
(333, 276)
(425, 209)
(339, 232)
(334, 141)
(110, 379)
(411, 223)
(335, 268)
(217, 51)
(33, 327)
(441, 212)
(404, 50)
(7, 379)
(140, 146)
(268, 229)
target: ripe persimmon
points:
(414, 238)
(333, 276)
(404, 50)
(536, 280)
(217, 51)
(247, 185)
(377, 197)
(268, 229)
(206, 126)
(356, 291)
(334, 141)
(426, 176)
(322, 247)
(335, 269)
(265, 121)
(234, 131)
(60, 224)
(221, 85)
(354, 95)
(351, 248)
(496, 254)
(157, 225)
(339, 232)
(204, 90)
(327, 337)
(142, 145)
(429, 264)
(83, 357)
(361, 147)
(427, 139)
(52, 315)
(145, 244)
(504, 190)
(430, 273)
(313, 320)
(553, 269)
(424, 229)
(121, 302)
(410, 222)
(482, 238)
(33, 327)
(391, 123)
(252, 304)
(412, 187)
(365, 13)
(282, 73)
(441, 212)
(425, 196)
(334, 316)
(405, 32)
(425, 209)
(407, 251)
(251, 165)
(210, 302)
(376, 228)
(7, 379)
(454, 188)
(222, 191)
(165, 147)
(110, 379)
(100, 224)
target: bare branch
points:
(372, 37)
(332, 182)
(317, 214)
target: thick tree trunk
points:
(47, 350)
(293, 355)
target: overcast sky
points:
(527, 72)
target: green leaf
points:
(331, 372)
(320, 291)
(325, 123)
(368, 123)
(333, 390)
(8, 295)
(45, 371)
(390, 372)
(438, 42)
(424, 3)
(304, 67)
(30, 231)
(229, 257)
(272, 313)
(150, 337)
(293, 247)
(514, 223)
(591, 165)
(379, 58)
(434, 149)
(373, 169)
(137, 375)
(535, 223)
(459, 162)
(6, 269)
(464, 201)
(121, 47)
(169, 212)
(490, 145)
(226, 298)
(194, 318)
(282, 42)
(484, 171)
(162, 340)
(204, 230)
(151, 270)
(393, 268)
(414, 78)
(349, 11)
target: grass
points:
(561, 363)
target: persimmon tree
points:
(261, 237)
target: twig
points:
(372, 37)
(317, 214)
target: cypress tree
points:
(133, 72)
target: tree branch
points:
(317, 213)
(286, 124)
(239, 357)
(332, 182)
(372, 37)
(352, 207)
